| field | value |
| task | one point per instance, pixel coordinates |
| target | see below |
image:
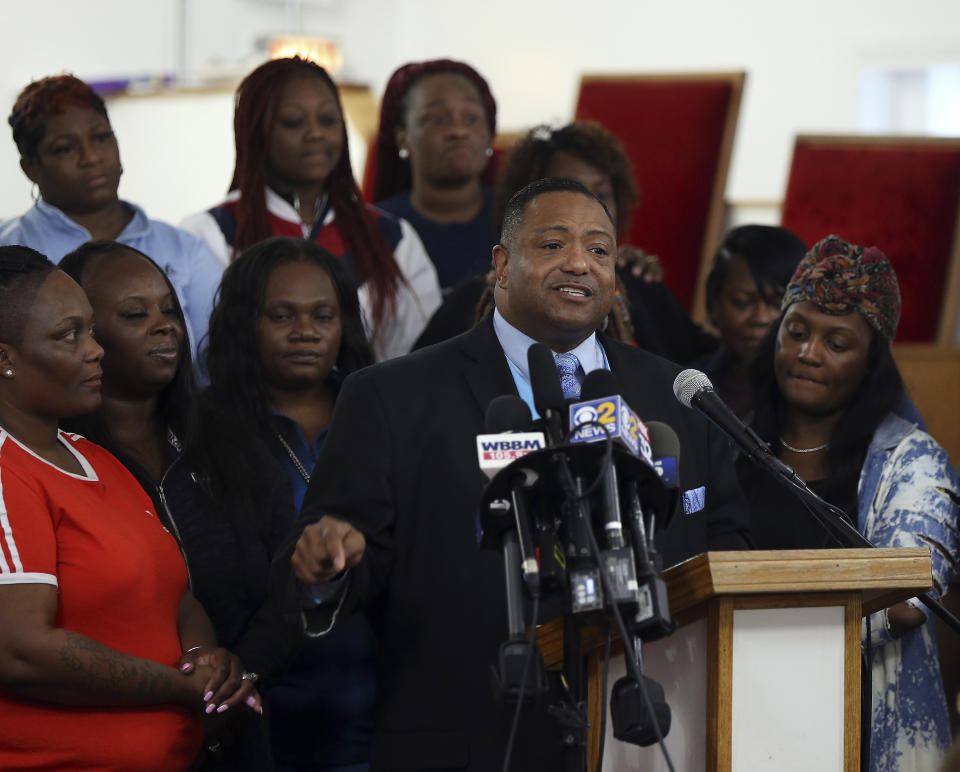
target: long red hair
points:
(252, 124)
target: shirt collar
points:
(283, 207)
(516, 343)
(138, 225)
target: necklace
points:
(790, 447)
(293, 457)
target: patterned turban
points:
(838, 278)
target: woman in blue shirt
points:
(70, 153)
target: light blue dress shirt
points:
(515, 345)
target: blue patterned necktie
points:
(567, 365)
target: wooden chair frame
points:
(716, 213)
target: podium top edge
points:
(797, 571)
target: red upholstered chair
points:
(678, 130)
(901, 194)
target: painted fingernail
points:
(210, 708)
(252, 701)
(258, 710)
(207, 696)
(222, 708)
(185, 667)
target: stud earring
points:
(8, 373)
(403, 153)
(488, 152)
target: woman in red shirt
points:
(107, 661)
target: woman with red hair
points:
(293, 178)
(432, 163)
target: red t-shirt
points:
(120, 578)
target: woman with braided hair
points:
(293, 178)
(432, 163)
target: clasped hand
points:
(219, 679)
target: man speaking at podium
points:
(397, 487)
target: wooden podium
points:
(763, 671)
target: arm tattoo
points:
(100, 668)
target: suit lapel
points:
(633, 385)
(485, 365)
(618, 367)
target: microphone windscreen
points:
(507, 413)
(688, 384)
(664, 442)
(545, 380)
(598, 384)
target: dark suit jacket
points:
(400, 463)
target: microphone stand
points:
(835, 522)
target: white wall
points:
(804, 63)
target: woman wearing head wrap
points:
(432, 162)
(293, 178)
(826, 395)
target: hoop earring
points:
(35, 192)
(403, 153)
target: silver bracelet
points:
(192, 648)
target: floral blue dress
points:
(908, 497)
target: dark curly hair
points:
(253, 120)
(232, 353)
(48, 96)
(590, 142)
(880, 394)
(392, 174)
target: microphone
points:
(513, 675)
(611, 412)
(505, 414)
(601, 404)
(504, 443)
(598, 406)
(548, 396)
(632, 579)
(665, 449)
(497, 449)
(694, 390)
(583, 573)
